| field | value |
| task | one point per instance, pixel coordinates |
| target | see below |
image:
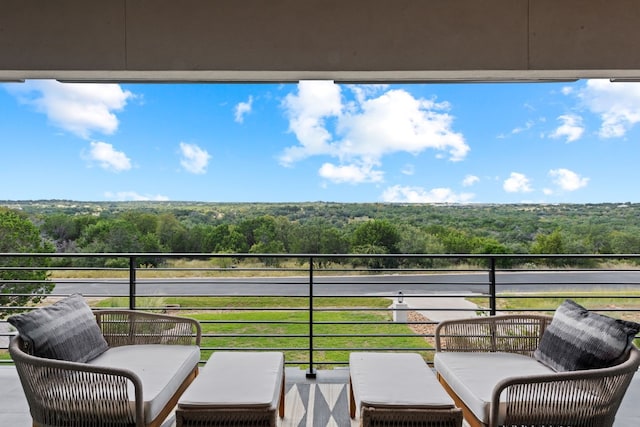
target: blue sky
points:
(320, 141)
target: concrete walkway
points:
(442, 308)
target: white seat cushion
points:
(161, 368)
(473, 376)
(237, 380)
(392, 380)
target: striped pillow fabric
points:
(65, 330)
(578, 339)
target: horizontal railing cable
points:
(317, 308)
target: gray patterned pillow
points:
(578, 339)
(65, 330)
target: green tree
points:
(625, 242)
(457, 241)
(172, 234)
(377, 236)
(378, 232)
(273, 247)
(19, 235)
(111, 235)
(318, 236)
(486, 245)
(549, 244)
(144, 222)
(226, 238)
(61, 228)
(263, 230)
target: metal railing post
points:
(311, 373)
(492, 285)
(132, 283)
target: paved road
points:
(361, 285)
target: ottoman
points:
(398, 389)
(235, 388)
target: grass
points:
(593, 300)
(226, 324)
(244, 302)
(296, 343)
(229, 267)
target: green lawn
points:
(236, 322)
(220, 332)
(297, 344)
(594, 300)
(244, 302)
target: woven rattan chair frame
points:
(391, 417)
(226, 417)
(126, 327)
(512, 333)
(587, 398)
(61, 393)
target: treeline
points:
(330, 228)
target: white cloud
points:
(517, 183)
(194, 159)
(526, 127)
(371, 126)
(571, 128)
(307, 111)
(617, 104)
(568, 180)
(400, 194)
(108, 157)
(408, 169)
(79, 108)
(567, 90)
(242, 109)
(361, 92)
(469, 180)
(122, 196)
(353, 174)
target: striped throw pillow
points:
(65, 330)
(578, 339)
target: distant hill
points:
(451, 228)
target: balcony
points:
(316, 308)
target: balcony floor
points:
(14, 410)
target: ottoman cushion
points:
(389, 380)
(237, 380)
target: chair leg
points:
(352, 401)
(159, 420)
(468, 415)
(281, 406)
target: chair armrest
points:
(514, 333)
(563, 398)
(127, 327)
(69, 392)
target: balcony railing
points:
(318, 308)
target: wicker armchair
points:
(586, 398)
(62, 393)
